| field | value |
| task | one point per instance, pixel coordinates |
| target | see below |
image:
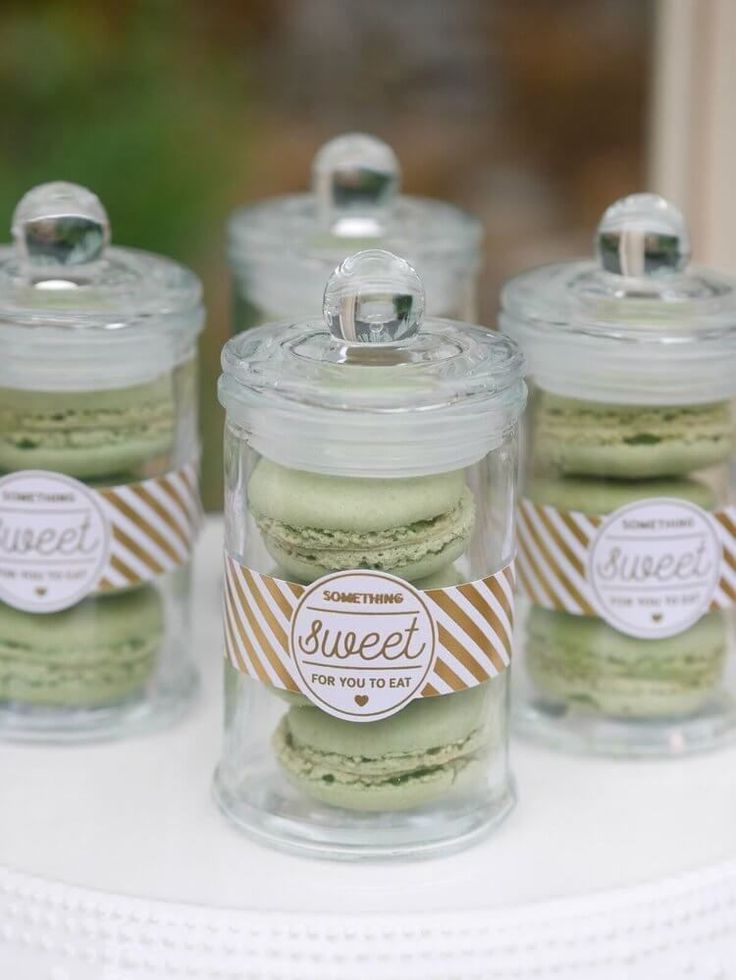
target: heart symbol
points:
(361, 700)
(40, 590)
(657, 617)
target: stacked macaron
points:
(408, 760)
(86, 434)
(594, 458)
(102, 650)
(312, 524)
(415, 528)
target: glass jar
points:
(282, 251)
(626, 524)
(99, 504)
(370, 464)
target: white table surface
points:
(625, 859)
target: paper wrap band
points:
(153, 524)
(352, 638)
(61, 540)
(650, 569)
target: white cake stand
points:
(115, 865)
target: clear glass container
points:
(282, 251)
(99, 503)
(626, 523)
(370, 469)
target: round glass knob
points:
(355, 179)
(60, 225)
(373, 297)
(643, 235)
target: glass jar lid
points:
(374, 387)
(354, 203)
(76, 312)
(639, 324)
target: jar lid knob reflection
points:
(60, 225)
(374, 298)
(643, 235)
(355, 179)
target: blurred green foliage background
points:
(532, 115)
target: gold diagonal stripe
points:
(443, 671)
(456, 648)
(278, 596)
(488, 613)
(125, 570)
(574, 529)
(461, 619)
(188, 478)
(430, 692)
(510, 575)
(553, 601)
(493, 584)
(296, 589)
(526, 585)
(574, 561)
(243, 634)
(722, 517)
(170, 490)
(266, 612)
(730, 560)
(127, 542)
(165, 515)
(728, 589)
(232, 649)
(142, 524)
(556, 571)
(274, 626)
(263, 644)
(560, 541)
(105, 585)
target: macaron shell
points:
(601, 496)
(97, 652)
(86, 434)
(585, 662)
(357, 505)
(423, 725)
(630, 441)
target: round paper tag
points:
(654, 567)
(54, 541)
(363, 644)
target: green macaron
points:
(629, 441)
(592, 667)
(99, 652)
(313, 524)
(86, 434)
(408, 760)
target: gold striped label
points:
(361, 644)
(650, 569)
(153, 526)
